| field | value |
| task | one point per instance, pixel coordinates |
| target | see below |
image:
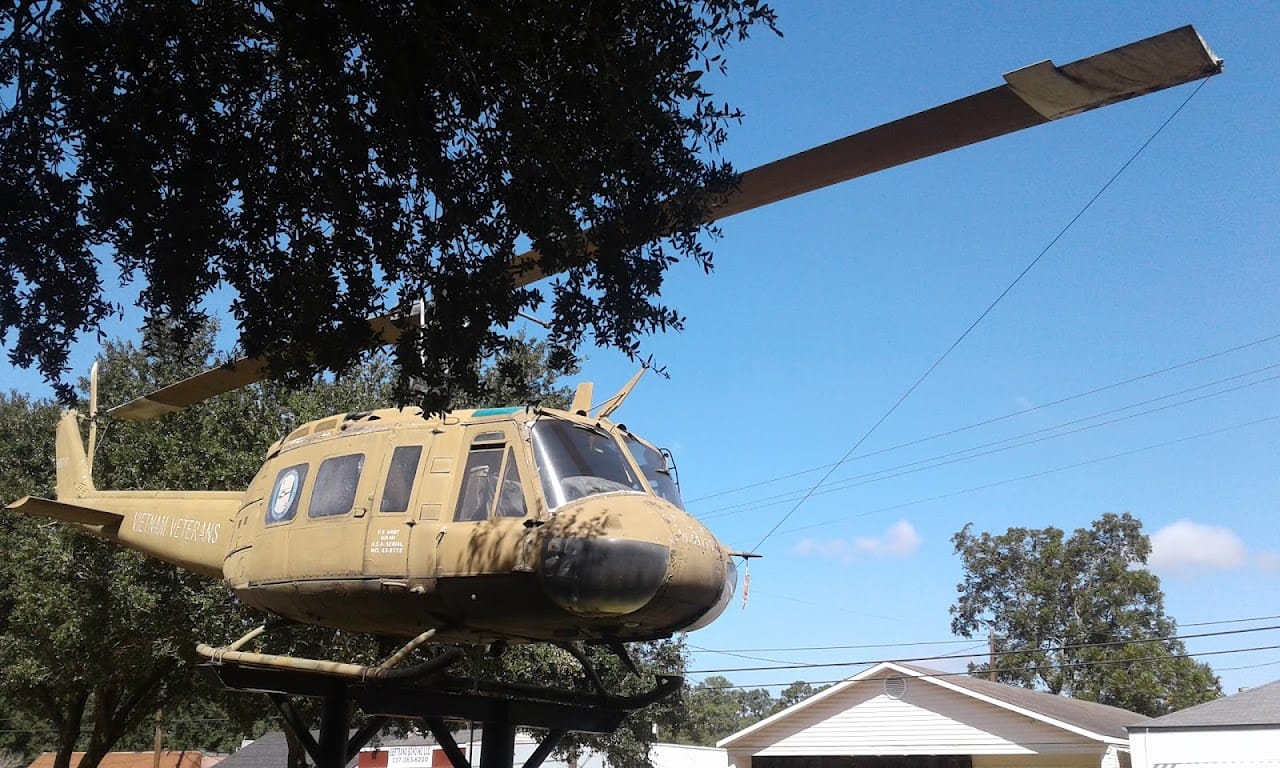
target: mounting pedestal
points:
(383, 700)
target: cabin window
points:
(404, 468)
(335, 489)
(283, 503)
(577, 460)
(654, 466)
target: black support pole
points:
(334, 721)
(548, 744)
(497, 744)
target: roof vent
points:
(895, 686)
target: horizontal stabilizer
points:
(67, 513)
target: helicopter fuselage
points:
(494, 524)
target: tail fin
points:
(74, 478)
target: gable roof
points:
(270, 750)
(1255, 706)
(1085, 718)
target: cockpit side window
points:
(654, 466)
(511, 501)
(491, 481)
(479, 483)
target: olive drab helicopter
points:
(520, 524)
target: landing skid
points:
(424, 692)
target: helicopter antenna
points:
(615, 402)
(93, 414)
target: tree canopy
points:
(1078, 615)
(93, 637)
(323, 163)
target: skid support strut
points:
(499, 712)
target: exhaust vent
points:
(895, 686)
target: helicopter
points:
(517, 524)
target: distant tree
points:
(323, 163)
(628, 746)
(715, 708)
(795, 693)
(1078, 615)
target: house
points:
(422, 751)
(1239, 730)
(904, 716)
(168, 759)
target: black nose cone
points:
(602, 576)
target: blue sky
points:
(822, 310)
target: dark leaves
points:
(1078, 615)
(329, 162)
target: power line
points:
(980, 317)
(1062, 665)
(916, 643)
(1248, 666)
(995, 419)
(999, 446)
(1033, 475)
(1072, 647)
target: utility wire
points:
(980, 318)
(995, 419)
(1042, 473)
(799, 648)
(938, 674)
(977, 451)
(1016, 652)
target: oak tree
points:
(1078, 615)
(324, 162)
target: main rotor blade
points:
(1031, 96)
(242, 372)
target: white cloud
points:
(1187, 546)
(900, 540)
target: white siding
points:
(1239, 747)
(925, 720)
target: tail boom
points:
(190, 529)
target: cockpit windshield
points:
(654, 466)
(576, 460)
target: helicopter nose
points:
(602, 576)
